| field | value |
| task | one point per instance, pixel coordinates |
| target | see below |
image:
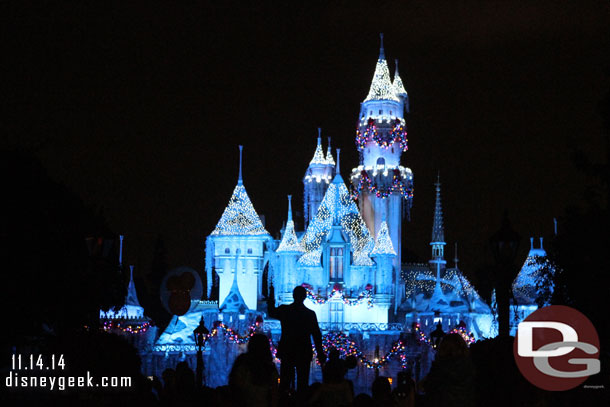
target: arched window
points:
(250, 251)
(380, 161)
(227, 250)
(336, 264)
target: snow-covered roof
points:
(399, 88)
(533, 276)
(337, 207)
(289, 242)
(381, 86)
(383, 243)
(318, 156)
(132, 296)
(456, 293)
(239, 217)
(329, 155)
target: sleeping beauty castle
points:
(348, 256)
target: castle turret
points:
(384, 254)
(383, 187)
(399, 89)
(317, 178)
(288, 253)
(239, 230)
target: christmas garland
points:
(397, 135)
(467, 336)
(347, 347)
(365, 295)
(127, 328)
(396, 186)
(341, 342)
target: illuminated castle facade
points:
(349, 254)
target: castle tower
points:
(383, 253)
(238, 232)
(318, 176)
(288, 251)
(383, 188)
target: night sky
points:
(139, 108)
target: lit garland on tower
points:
(399, 135)
(399, 184)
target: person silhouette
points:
(299, 325)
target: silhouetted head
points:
(258, 348)
(452, 346)
(381, 388)
(298, 294)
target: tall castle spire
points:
(318, 156)
(318, 176)
(438, 231)
(239, 217)
(399, 88)
(329, 155)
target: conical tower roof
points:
(290, 242)
(532, 275)
(318, 156)
(381, 86)
(132, 296)
(383, 243)
(239, 217)
(329, 155)
(399, 88)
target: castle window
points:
(227, 250)
(371, 113)
(392, 150)
(380, 161)
(380, 111)
(336, 264)
(250, 251)
(390, 113)
(336, 315)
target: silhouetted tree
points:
(52, 284)
(158, 270)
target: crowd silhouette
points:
(254, 381)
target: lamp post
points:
(504, 245)
(201, 334)
(437, 335)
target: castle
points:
(349, 255)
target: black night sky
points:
(139, 108)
